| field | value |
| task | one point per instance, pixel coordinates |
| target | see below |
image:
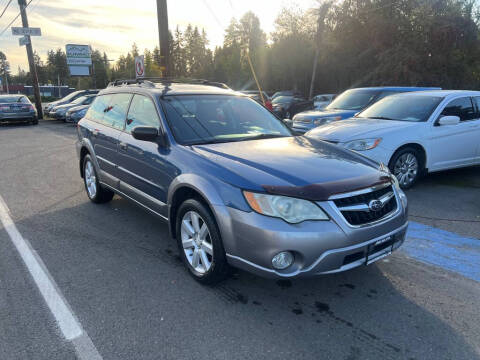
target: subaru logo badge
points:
(375, 205)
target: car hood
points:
(292, 166)
(315, 114)
(356, 128)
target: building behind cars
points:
(234, 183)
(413, 133)
(346, 105)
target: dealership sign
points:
(79, 55)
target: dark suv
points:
(236, 186)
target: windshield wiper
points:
(378, 117)
(260, 136)
(226, 140)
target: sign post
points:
(139, 67)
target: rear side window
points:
(96, 112)
(116, 110)
(142, 113)
(476, 100)
(462, 107)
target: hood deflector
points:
(323, 191)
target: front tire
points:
(200, 243)
(95, 192)
(407, 166)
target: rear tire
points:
(200, 244)
(408, 166)
(95, 192)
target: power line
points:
(213, 14)
(6, 7)
(15, 18)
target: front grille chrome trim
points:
(359, 192)
(383, 219)
(364, 207)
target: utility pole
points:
(33, 71)
(162, 16)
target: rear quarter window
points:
(96, 112)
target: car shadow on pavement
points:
(123, 277)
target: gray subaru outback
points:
(236, 186)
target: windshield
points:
(10, 99)
(219, 118)
(413, 108)
(79, 100)
(70, 96)
(353, 100)
(282, 99)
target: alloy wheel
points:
(196, 242)
(406, 169)
(90, 179)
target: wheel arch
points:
(189, 186)
(416, 146)
(86, 149)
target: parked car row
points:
(346, 105)
(414, 133)
(58, 109)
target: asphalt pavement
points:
(121, 276)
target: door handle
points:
(123, 146)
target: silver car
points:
(235, 185)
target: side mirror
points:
(448, 120)
(288, 122)
(145, 133)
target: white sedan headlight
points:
(290, 209)
(363, 144)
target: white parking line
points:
(58, 305)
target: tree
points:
(4, 68)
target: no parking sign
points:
(139, 67)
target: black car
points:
(286, 106)
(17, 108)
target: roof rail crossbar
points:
(150, 81)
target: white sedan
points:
(413, 133)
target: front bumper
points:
(251, 241)
(58, 116)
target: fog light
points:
(282, 260)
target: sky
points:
(114, 25)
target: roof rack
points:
(150, 82)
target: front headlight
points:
(401, 194)
(326, 120)
(290, 209)
(363, 144)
